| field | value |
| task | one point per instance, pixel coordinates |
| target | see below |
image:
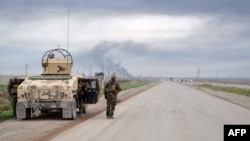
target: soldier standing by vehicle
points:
(84, 91)
(112, 88)
(12, 89)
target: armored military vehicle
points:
(56, 89)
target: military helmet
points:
(15, 80)
(113, 76)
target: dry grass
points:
(5, 103)
(4, 98)
(233, 90)
(5, 106)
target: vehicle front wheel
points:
(73, 110)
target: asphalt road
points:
(49, 125)
(166, 112)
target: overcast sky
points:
(145, 37)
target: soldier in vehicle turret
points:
(111, 90)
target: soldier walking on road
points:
(112, 88)
(12, 89)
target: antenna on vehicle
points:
(68, 36)
(68, 29)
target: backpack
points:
(111, 88)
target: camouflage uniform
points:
(82, 91)
(82, 109)
(12, 89)
(111, 90)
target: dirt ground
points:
(49, 125)
(243, 101)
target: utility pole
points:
(103, 70)
(198, 73)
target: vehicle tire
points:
(28, 114)
(73, 110)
